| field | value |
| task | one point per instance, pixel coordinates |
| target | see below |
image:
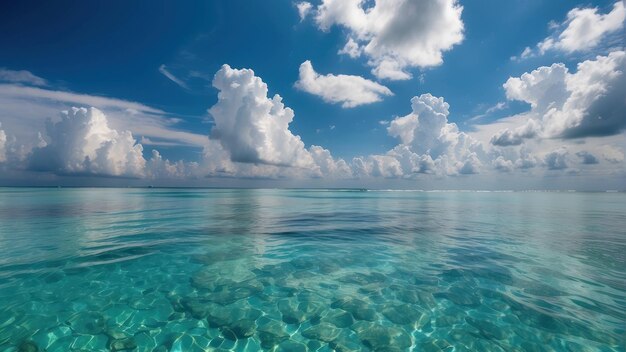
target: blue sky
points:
(164, 55)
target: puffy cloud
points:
(589, 102)
(350, 91)
(584, 29)
(251, 127)
(502, 164)
(543, 88)
(21, 76)
(516, 136)
(24, 110)
(396, 34)
(526, 161)
(377, 166)
(251, 136)
(3, 145)
(596, 103)
(159, 168)
(612, 154)
(83, 143)
(587, 158)
(351, 49)
(429, 144)
(329, 166)
(557, 159)
(303, 9)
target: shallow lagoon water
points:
(311, 270)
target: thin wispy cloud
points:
(21, 76)
(165, 72)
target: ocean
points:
(311, 270)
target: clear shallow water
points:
(297, 270)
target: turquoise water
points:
(298, 270)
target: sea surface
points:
(311, 270)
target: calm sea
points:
(311, 270)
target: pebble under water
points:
(311, 270)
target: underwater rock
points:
(344, 345)
(303, 274)
(235, 292)
(176, 316)
(328, 267)
(116, 334)
(198, 308)
(176, 302)
(54, 276)
(488, 330)
(27, 346)
(218, 316)
(378, 337)
(363, 313)
(339, 318)
(204, 279)
(460, 296)
(427, 300)
(304, 263)
(314, 345)
(289, 311)
(358, 308)
(406, 295)
(370, 290)
(459, 334)
(291, 346)
(126, 344)
(434, 345)
(271, 334)
(90, 323)
(402, 314)
(216, 257)
(311, 310)
(324, 332)
(276, 271)
(445, 321)
(363, 279)
(422, 321)
(239, 330)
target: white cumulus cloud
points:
(516, 136)
(350, 91)
(24, 110)
(589, 102)
(584, 28)
(395, 34)
(351, 49)
(252, 127)
(327, 165)
(557, 159)
(429, 144)
(83, 143)
(159, 168)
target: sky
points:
(402, 94)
